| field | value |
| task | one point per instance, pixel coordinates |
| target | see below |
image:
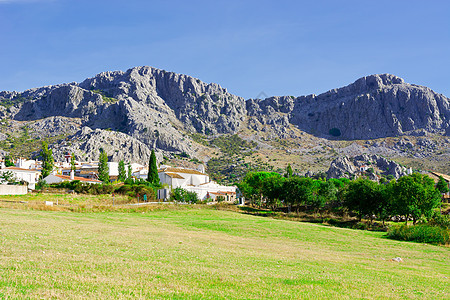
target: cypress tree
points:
(47, 160)
(103, 169)
(152, 176)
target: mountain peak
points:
(377, 81)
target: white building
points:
(30, 176)
(196, 181)
(180, 177)
(140, 174)
(137, 170)
(26, 163)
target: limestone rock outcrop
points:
(85, 145)
(367, 165)
(372, 107)
(161, 109)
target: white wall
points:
(13, 189)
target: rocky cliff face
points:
(157, 108)
(150, 105)
(373, 165)
(199, 107)
(85, 145)
(372, 107)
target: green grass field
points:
(202, 253)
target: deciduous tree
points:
(415, 195)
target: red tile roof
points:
(20, 169)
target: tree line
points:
(411, 197)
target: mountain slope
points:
(372, 107)
(144, 108)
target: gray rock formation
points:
(152, 106)
(54, 126)
(86, 144)
(372, 107)
(160, 109)
(348, 167)
(341, 167)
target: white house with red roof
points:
(31, 176)
(196, 181)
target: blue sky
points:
(275, 47)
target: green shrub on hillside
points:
(232, 144)
(420, 233)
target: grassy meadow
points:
(195, 252)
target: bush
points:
(420, 234)
(41, 184)
(181, 195)
(440, 220)
(137, 189)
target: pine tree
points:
(122, 172)
(152, 176)
(103, 169)
(47, 160)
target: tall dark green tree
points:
(363, 196)
(152, 176)
(47, 160)
(103, 169)
(122, 172)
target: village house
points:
(30, 176)
(194, 181)
(137, 170)
(23, 163)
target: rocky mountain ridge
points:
(372, 107)
(144, 108)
